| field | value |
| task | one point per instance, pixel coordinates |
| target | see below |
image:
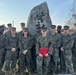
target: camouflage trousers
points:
(25, 62)
(74, 60)
(2, 58)
(68, 61)
(55, 56)
(11, 58)
(42, 65)
(62, 63)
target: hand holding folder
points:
(44, 51)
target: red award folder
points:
(44, 51)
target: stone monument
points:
(39, 15)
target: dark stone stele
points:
(39, 15)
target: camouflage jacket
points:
(25, 43)
(44, 42)
(67, 41)
(35, 37)
(12, 42)
(74, 45)
(20, 33)
(56, 40)
(2, 43)
(8, 33)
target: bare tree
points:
(72, 15)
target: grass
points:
(25, 71)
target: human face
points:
(59, 30)
(53, 30)
(44, 32)
(22, 27)
(38, 30)
(13, 32)
(25, 33)
(66, 31)
(9, 28)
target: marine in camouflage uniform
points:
(25, 45)
(38, 33)
(21, 32)
(2, 32)
(56, 42)
(8, 33)
(62, 68)
(12, 51)
(74, 51)
(42, 62)
(66, 46)
(2, 49)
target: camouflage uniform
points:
(67, 43)
(34, 50)
(36, 36)
(43, 42)
(8, 33)
(62, 68)
(25, 43)
(62, 63)
(2, 50)
(20, 33)
(56, 42)
(12, 42)
(74, 52)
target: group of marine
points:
(40, 53)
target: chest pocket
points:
(25, 41)
(13, 41)
(66, 39)
(54, 40)
(44, 42)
